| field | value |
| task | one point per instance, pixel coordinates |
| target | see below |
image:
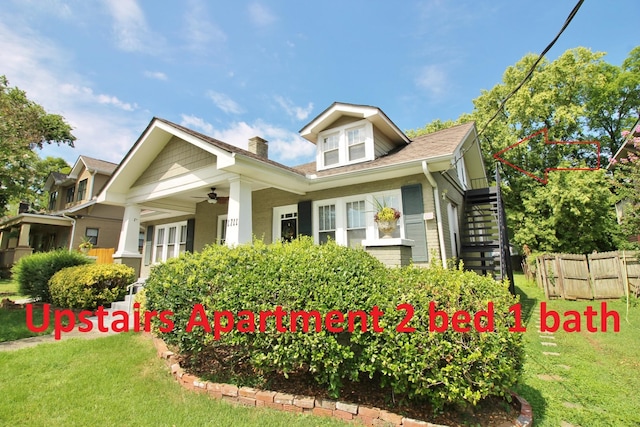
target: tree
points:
(24, 127)
(573, 213)
(577, 97)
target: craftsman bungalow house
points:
(185, 190)
(71, 215)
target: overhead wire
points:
(567, 21)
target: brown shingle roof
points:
(99, 165)
(424, 147)
(227, 147)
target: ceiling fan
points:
(213, 197)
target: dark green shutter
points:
(414, 228)
(305, 226)
(191, 228)
(148, 245)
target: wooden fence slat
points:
(103, 255)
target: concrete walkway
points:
(34, 341)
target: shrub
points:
(90, 286)
(33, 272)
(440, 367)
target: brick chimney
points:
(259, 147)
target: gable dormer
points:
(345, 134)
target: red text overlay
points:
(282, 321)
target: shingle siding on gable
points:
(176, 158)
(381, 143)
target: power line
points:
(532, 69)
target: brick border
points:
(252, 397)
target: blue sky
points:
(237, 69)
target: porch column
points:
(127, 252)
(239, 218)
(25, 229)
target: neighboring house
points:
(71, 215)
(185, 190)
(623, 152)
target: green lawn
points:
(114, 381)
(599, 372)
(9, 289)
(14, 325)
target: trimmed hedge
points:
(33, 272)
(441, 367)
(90, 286)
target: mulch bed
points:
(492, 411)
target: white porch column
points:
(127, 252)
(129, 233)
(239, 218)
(25, 229)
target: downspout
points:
(73, 230)
(434, 185)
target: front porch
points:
(25, 234)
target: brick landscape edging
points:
(249, 396)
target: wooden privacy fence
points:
(595, 276)
(103, 255)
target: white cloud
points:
(130, 27)
(284, 146)
(85, 94)
(224, 103)
(200, 31)
(46, 73)
(260, 15)
(196, 123)
(300, 113)
(433, 79)
(158, 75)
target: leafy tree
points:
(24, 126)
(573, 213)
(577, 97)
(40, 170)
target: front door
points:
(285, 223)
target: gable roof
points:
(92, 164)
(442, 143)
(340, 109)
(226, 147)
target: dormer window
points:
(344, 145)
(330, 148)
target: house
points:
(71, 215)
(185, 190)
(629, 148)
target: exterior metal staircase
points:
(484, 237)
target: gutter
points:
(73, 230)
(434, 184)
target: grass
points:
(600, 371)
(115, 381)
(9, 289)
(14, 324)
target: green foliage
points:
(300, 276)
(90, 286)
(33, 272)
(24, 126)
(578, 97)
(573, 213)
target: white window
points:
(356, 223)
(170, 240)
(355, 143)
(330, 149)
(347, 144)
(92, 235)
(326, 223)
(221, 237)
(460, 169)
(350, 220)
